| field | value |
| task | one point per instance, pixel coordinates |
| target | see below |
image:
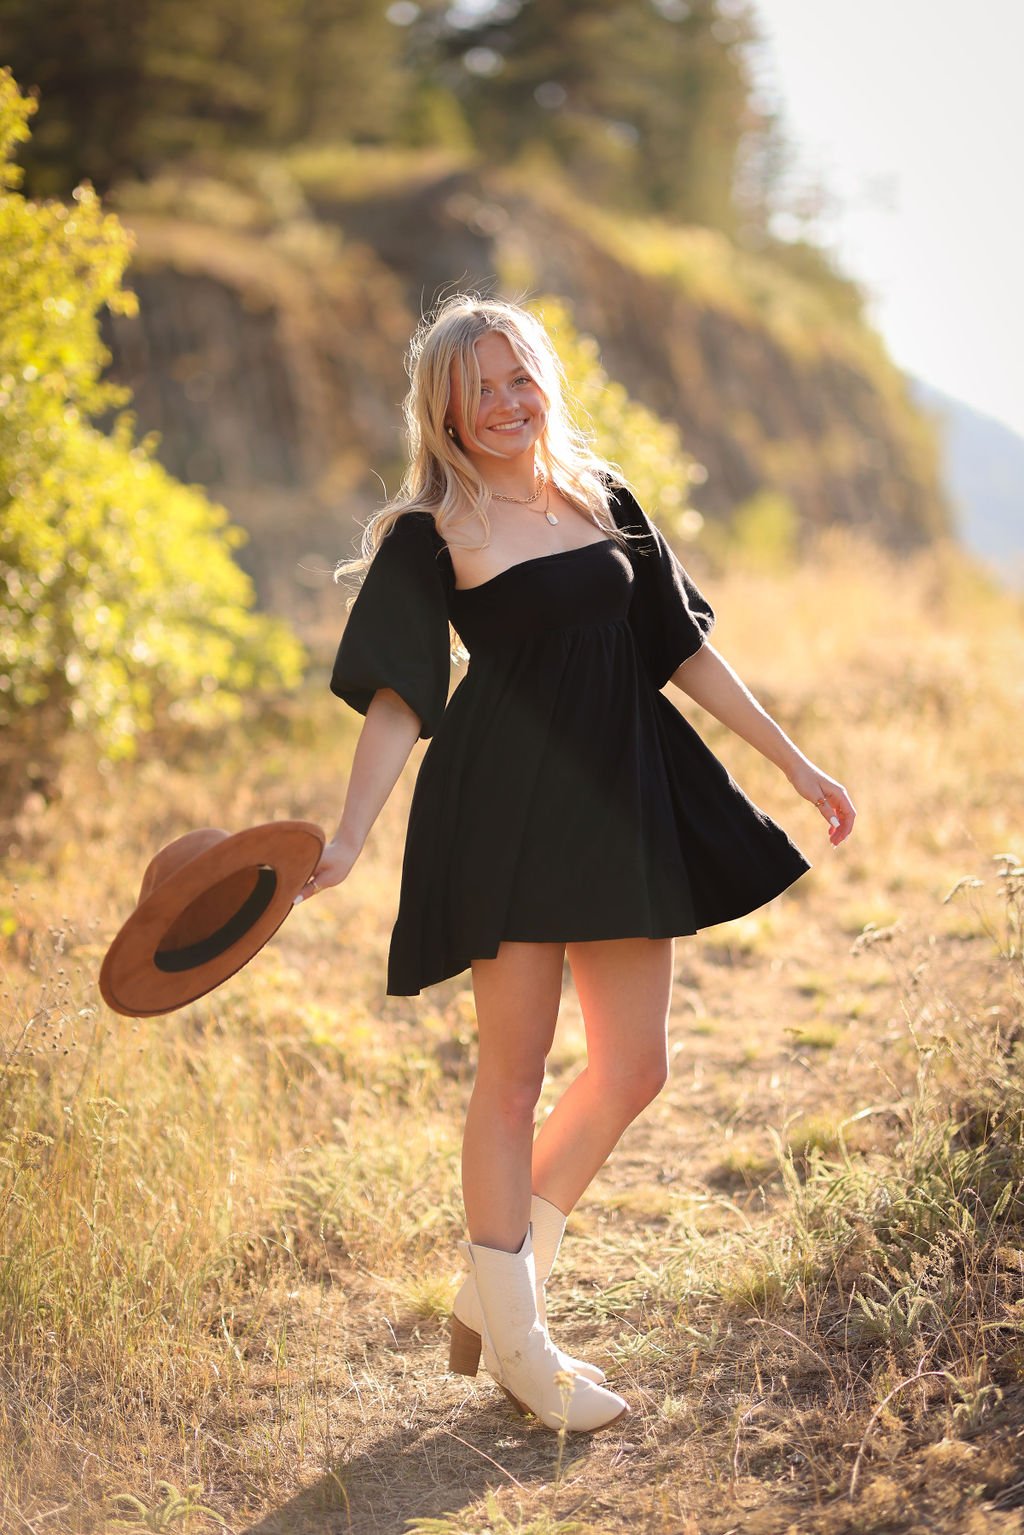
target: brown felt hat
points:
(209, 902)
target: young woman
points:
(564, 809)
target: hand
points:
(830, 797)
(335, 864)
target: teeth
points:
(508, 426)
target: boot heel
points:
(523, 1411)
(463, 1349)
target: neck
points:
(516, 477)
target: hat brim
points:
(141, 979)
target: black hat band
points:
(191, 956)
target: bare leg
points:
(517, 995)
(625, 989)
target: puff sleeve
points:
(396, 635)
(670, 618)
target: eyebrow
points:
(519, 368)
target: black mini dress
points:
(562, 797)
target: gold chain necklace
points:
(518, 500)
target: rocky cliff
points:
(269, 347)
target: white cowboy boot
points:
(548, 1225)
(520, 1355)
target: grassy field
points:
(229, 1235)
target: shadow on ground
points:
(420, 1472)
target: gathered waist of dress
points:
(505, 642)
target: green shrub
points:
(119, 597)
(764, 532)
(648, 448)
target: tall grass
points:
(874, 1315)
(229, 1235)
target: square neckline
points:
(534, 559)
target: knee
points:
(513, 1097)
(633, 1089)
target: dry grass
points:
(229, 1235)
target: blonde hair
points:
(440, 478)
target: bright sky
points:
(911, 112)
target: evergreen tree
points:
(86, 60)
(126, 85)
(643, 104)
(646, 105)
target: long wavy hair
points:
(440, 478)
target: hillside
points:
(276, 304)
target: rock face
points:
(273, 378)
(834, 430)
(270, 361)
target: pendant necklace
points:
(518, 500)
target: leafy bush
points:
(648, 448)
(764, 532)
(119, 597)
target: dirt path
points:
(761, 1036)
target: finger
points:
(844, 807)
(311, 887)
(844, 827)
(826, 803)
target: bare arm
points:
(389, 733)
(711, 682)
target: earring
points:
(450, 430)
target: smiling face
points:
(513, 411)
